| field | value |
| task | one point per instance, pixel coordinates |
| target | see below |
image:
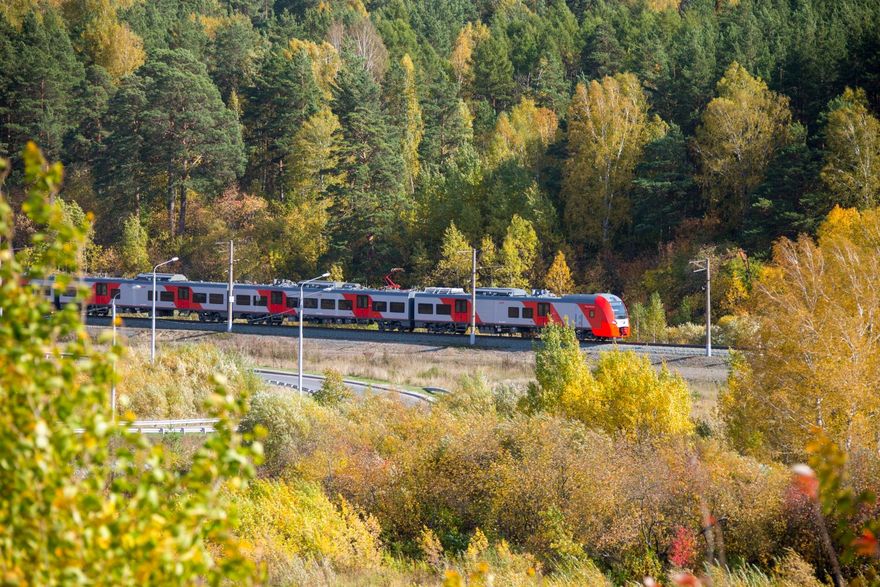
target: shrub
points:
(176, 386)
(289, 519)
(285, 418)
(333, 390)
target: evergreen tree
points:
(372, 203)
(603, 55)
(190, 134)
(493, 72)
(86, 142)
(40, 76)
(283, 95)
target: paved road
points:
(420, 338)
(312, 383)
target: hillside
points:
(631, 136)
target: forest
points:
(605, 142)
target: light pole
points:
(707, 268)
(153, 336)
(229, 287)
(113, 321)
(299, 357)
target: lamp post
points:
(301, 311)
(707, 268)
(153, 336)
(113, 322)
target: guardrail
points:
(160, 427)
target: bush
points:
(176, 386)
(285, 418)
(286, 520)
(333, 390)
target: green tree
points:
(852, 162)
(313, 170)
(649, 322)
(39, 76)
(413, 126)
(133, 248)
(189, 134)
(493, 72)
(607, 131)
(518, 254)
(558, 278)
(81, 499)
(739, 133)
(283, 95)
(373, 201)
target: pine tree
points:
(558, 278)
(373, 200)
(188, 132)
(283, 95)
(403, 106)
(493, 72)
(39, 81)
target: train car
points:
(515, 311)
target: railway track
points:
(483, 341)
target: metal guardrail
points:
(349, 382)
(160, 427)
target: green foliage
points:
(517, 255)
(622, 394)
(333, 390)
(455, 266)
(133, 248)
(83, 501)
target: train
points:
(499, 310)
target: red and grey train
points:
(435, 309)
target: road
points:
(420, 338)
(312, 383)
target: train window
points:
(100, 289)
(277, 298)
(528, 313)
(543, 308)
(461, 306)
(328, 304)
(380, 306)
(444, 309)
(243, 300)
(150, 296)
(363, 302)
(166, 296)
(292, 302)
(182, 293)
(260, 300)
(592, 313)
(310, 303)
(47, 292)
(398, 307)
(513, 312)
(114, 292)
(346, 304)
(426, 309)
(215, 298)
(200, 298)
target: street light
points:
(113, 322)
(301, 311)
(153, 337)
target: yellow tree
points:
(463, 51)
(109, 42)
(414, 127)
(739, 132)
(558, 278)
(607, 131)
(316, 146)
(325, 62)
(852, 163)
(454, 268)
(816, 357)
(523, 135)
(518, 253)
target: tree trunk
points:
(181, 215)
(171, 196)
